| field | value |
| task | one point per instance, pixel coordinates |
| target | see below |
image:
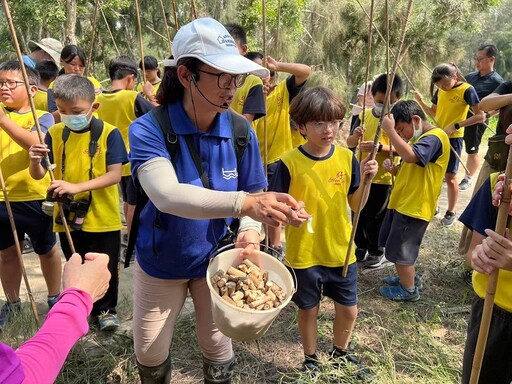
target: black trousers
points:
(103, 242)
(371, 218)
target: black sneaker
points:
(467, 276)
(361, 254)
(448, 219)
(352, 364)
(374, 261)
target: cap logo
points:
(226, 40)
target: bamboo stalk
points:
(492, 282)
(166, 26)
(141, 46)
(93, 36)
(367, 73)
(366, 180)
(265, 128)
(109, 31)
(175, 11)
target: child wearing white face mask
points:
(425, 151)
(88, 154)
(372, 215)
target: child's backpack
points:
(240, 130)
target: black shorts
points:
(453, 163)
(497, 362)
(401, 236)
(29, 219)
(128, 190)
(473, 137)
(329, 281)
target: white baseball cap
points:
(50, 46)
(208, 41)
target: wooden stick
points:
(18, 250)
(367, 74)
(193, 13)
(157, 33)
(109, 31)
(137, 12)
(93, 36)
(492, 281)
(40, 134)
(175, 10)
(366, 180)
(166, 26)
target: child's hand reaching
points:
(61, 187)
(389, 166)
(498, 193)
(417, 96)
(388, 124)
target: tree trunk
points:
(70, 28)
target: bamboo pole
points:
(193, 12)
(166, 26)
(18, 250)
(492, 282)
(109, 30)
(265, 128)
(366, 181)
(175, 11)
(367, 73)
(141, 46)
(40, 134)
(401, 68)
(93, 37)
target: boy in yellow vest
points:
(89, 155)
(119, 106)
(425, 152)
(48, 71)
(249, 99)
(371, 217)
(327, 178)
(17, 134)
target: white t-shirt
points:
(356, 110)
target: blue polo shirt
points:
(172, 247)
(484, 85)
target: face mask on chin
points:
(418, 131)
(76, 122)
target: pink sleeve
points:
(43, 355)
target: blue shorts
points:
(128, 190)
(401, 235)
(29, 219)
(453, 163)
(329, 281)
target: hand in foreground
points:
(389, 166)
(369, 167)
(358, 132)
(508, 138)
(388, 124)
(498, 193)
(92, 277)
(274, 209)
(495, 252)
(248, 240)
(61, 187)
(37, 152)
(417, 96)
(366, 146)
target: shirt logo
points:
(338, 179)
(229, 174)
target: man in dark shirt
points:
(485, 80)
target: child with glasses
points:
(327, 178)
(17, 134)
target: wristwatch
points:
(457, 126)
